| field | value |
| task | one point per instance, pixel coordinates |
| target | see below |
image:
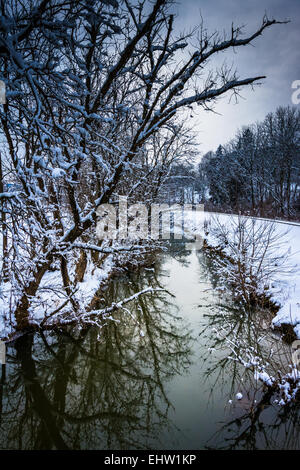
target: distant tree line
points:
(258, 171)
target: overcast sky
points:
(276, 54)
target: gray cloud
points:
(275, 54)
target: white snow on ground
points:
(85, 289)
(290, 295)
(285, 287)
(49, 297)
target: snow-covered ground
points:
(284, 283)
(289, 295)
(49, 297)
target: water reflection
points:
(256, 421)
(156, 376)
(264, 426)
(70, 390)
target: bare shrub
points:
(252, 252)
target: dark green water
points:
(156, 377)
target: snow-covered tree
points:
(90, 86)
(258, 171)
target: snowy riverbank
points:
(284, 282)
(51, 306)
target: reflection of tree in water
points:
(257, 421)
(69, 390)
(264, 426)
